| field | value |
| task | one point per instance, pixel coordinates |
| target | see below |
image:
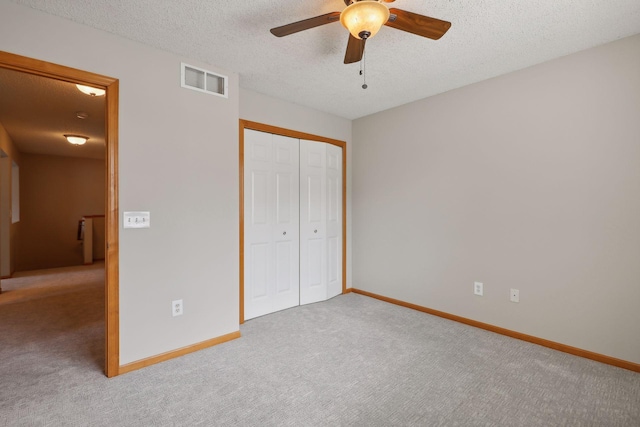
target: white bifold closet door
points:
(292, 222)
(320, 221)
(271, 223)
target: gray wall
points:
(528, 181)
(178, 160)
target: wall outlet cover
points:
(478, 288)
(177, 308)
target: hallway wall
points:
(55, 193)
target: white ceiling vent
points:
(204, 81)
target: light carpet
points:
(350, 361)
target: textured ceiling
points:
(487, 38)
(37, 112)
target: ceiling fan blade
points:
(420, 25)
(355, 50)
(294, 27)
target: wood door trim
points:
(111, 85)
(241, 225)
(246, 124)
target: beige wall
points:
(178, 159)
(7, 145)
(264, 109)
(56, 192)
(5, 215)
(527, 181)
(8, 231)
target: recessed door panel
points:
(284, 259)
(334, 159)
(314, 263)
(258, 279)
(333, 198)
(259, 197)
(260, 148)
(260, 152)
(285, 154)
(284, 198)
(314, 199)
(315, 157)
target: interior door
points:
(320, 221)
(313, 218)
(271, 223)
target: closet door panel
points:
(271, 235)
(334, 220)
(257, 215)
(286, 230)
(313, 257)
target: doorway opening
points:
(111, 86)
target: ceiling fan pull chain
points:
(363, 70)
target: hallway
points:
(51, 321)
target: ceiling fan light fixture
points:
(364, 18)
(91, 91)
(76, 139)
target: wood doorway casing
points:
(72, 75)
(246, 124)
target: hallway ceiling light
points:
(76, 139)
(92, 91)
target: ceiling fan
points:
(363, 19)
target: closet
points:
(292, 191)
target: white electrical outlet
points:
(478, 288)
(177, 308)
(514, 295)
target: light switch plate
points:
(137, 220)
